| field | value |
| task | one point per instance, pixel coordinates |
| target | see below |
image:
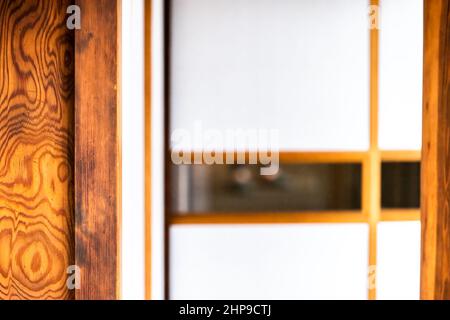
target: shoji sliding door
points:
(300, 68)
(340, 216)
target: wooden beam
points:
(401, 156)
(435, 198)
(36, 150)
(400, 215)
(97, 149)
(270, 217)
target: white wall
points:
(133, 251)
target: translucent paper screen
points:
(300, 67)
(323, 261)
(401, 63)
(398, 260)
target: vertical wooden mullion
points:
(97, 149)
(374, 163)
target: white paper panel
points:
(297, 66)
(133, 238)
(398, 260)
(401, 54)
(269, 262)
(158, 151)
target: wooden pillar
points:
(97, 149)
(435, 277)
(36, 150)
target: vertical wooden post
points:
(97, 149)
(435, 198)
(36, 150)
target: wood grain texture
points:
(97, 149)
(36, 143)
(435, 198)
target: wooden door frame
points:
(98, 149)
(435, 194)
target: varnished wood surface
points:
(400, 215)
(372, 172)
(293, 217)
(401, 156)
(36, 141)
(97, 149)
(435, 198)
(269, 217)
